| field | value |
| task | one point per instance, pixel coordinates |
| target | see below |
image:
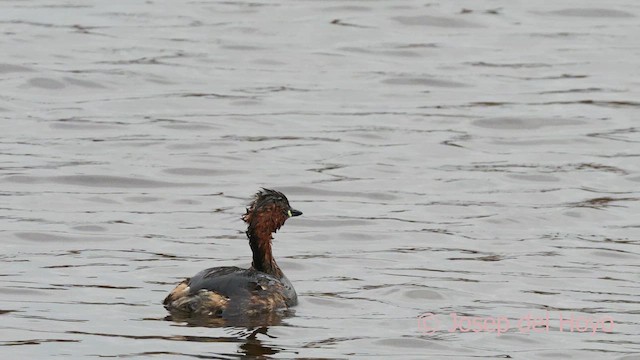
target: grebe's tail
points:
(203, 303)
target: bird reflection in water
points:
(247, 331)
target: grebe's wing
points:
(230, 291)
(228, 281)
(241, 284)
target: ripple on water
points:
(629, 357)
(308, 191)
(84, 83)
(535, 177)
(330, 303)
(593, 13)
(10, 68)
(101, 200)
(90, 228)
(423, 294)
(22, 291)
(512, 123)
(189, 127)
(201, 171)
(435, 21)
(79, 124)
(412, 343)
(48, 237)
(187, 202)
(424, 81)
(331, 223)
(143, 199)
(105, 181)
(46, 83)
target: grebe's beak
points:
(294, 212)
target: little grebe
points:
(231, 291)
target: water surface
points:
(480, 158)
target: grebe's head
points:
(268, 211)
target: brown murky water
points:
(480, 158)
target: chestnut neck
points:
(260, 242)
